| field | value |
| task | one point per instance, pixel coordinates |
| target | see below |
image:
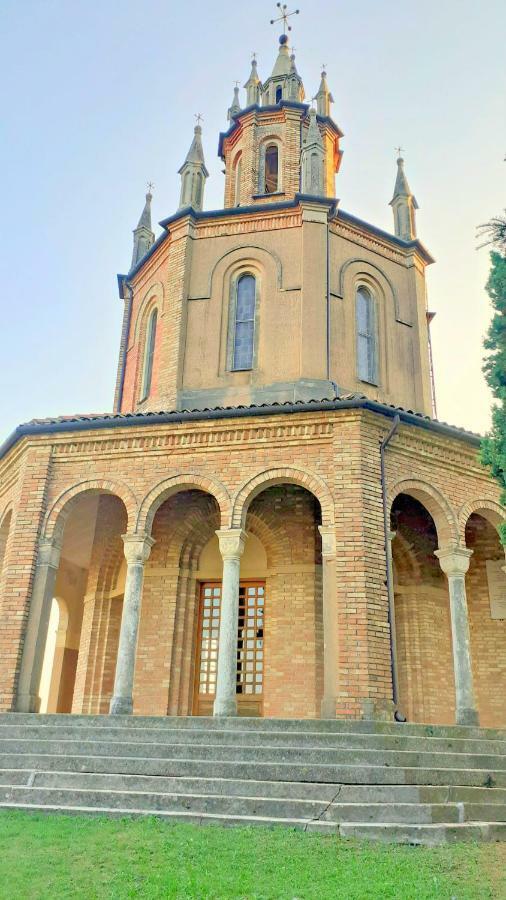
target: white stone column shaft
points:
(231, 549)
(34, 644)
(137, 550)
(329, 600)
(455, 563)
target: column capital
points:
(49, 553)
(454, 560)
(328, 535)
(232, 542)
(137, 547)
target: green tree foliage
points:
(494, 445)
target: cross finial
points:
(253, 56)
(236, 83)
(399, 150)
(324, 67)
(285, 15)
(199, 118)
(150, 186)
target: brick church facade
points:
(271, 522)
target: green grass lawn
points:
(49, 856)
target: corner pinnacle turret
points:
(193, 172)
(403, 204)
(144, 237)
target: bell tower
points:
(266, 147)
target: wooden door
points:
(250, 648)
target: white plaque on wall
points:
(497, 588)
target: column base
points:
(27, 703)
(225, 708)
(328, 708)
(467, 716)
(121, 706)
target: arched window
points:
(271, 169)
(149, 351)
(244, 324)
(198, 189)
(237, 182)
(279, 94)
(366, 336)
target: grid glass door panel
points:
(250, 640)
(250, 647)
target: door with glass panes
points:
(250, 648)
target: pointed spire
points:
(144, 237)
(282, 64)
(313, 159)
(323, 98)
(253, 85)
(236, 106)
(193, 172)
(403, 204)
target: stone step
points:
(258, 771)
(188, 817)
(257, 724)
(255, 754)
(237, 738)
(428, 835)
(272, 808)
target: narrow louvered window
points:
(149, 353)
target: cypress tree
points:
(493, 451)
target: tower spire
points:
(235, 106)
(253, 85)
(312, 159)
(323, 98)
(403, 204)
(193, 172)
(144, 237)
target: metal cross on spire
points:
(285, 15)
(150, 186)
(199, 117)
(399, 150)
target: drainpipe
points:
(398, 716)
(125, 345)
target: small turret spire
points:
(235, 106)
(403, 204)
(253, 85)
(312, 159)
(323, 98)
(144, 237)
(193, 172)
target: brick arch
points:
(184, 481)
(435, 504)
(274, 540)
(56, 517)
(353, 270)
(269, 477)
(153, 297)
(406, 565)
(266, 260)
(6, 511)
(487, 508)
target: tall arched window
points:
(149, 352)
(279, 94)
(244, 324)
(271, 169)
(366, 336)
(237, 182)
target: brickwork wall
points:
(336, 455)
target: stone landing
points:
(402, 783)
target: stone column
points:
(34, 644)
(329, 591)
(231, 548)
(137, 550)
(454, 562)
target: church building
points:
(271, 521)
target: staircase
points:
(406, 783)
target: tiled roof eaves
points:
(126, 420)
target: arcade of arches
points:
(282, 659)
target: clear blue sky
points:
(97, 98)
